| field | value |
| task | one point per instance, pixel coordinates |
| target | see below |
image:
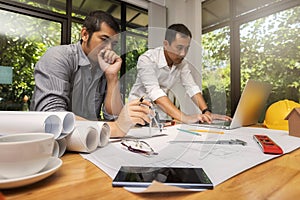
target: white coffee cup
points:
(24, 154)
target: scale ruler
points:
(228, 142)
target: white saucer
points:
(52, 166)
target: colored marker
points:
(187, 131)
(207, 131)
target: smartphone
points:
(189, 178)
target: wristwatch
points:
(206, 110)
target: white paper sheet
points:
(144, 132)
(220, 162)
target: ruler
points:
(230, 142)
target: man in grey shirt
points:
(83, 77)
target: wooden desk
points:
(80, 179)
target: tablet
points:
(189, 178)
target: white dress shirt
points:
(155, 78)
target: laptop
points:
(252, 101)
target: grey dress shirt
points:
(66, 80)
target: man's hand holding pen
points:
(153, 116)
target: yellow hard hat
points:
(276, 113)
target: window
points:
(264, 45)
(58, 6)
(23, 40)
(30, 27)
(270, 52)
(136, 44)
(216, 69)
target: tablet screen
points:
(193, 178)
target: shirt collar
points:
(83, 59)
(162, 62)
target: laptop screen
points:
(251, 103)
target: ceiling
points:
(213, 11)
(135, 17)
(217, 11)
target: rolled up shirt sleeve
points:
(52, 81)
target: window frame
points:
(67, 19)
(234, 22)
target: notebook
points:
(251, 103)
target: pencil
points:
(187, 131)
(207, 131)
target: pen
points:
(142, 99)
(207, 131)
(187, 131)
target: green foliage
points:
(26, 39)
(76, 29)
(269, 52)
(20, 54)
(216, 69)
(23, 41)
(135, 47)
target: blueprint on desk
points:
(219, 161)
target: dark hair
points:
(173, 29)
(94, 19)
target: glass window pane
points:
(58, 6)
(23, 40)
(76, 31)
(216, 70)
(135, 46)
(270, 51)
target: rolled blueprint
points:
(28, 122)
(60, 147)
(68, 120)
(102, 128)
(83, 139)
(55, 151)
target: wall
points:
(157, 24)
(163, 13)
(188, 12)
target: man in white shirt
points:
(160, 68)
